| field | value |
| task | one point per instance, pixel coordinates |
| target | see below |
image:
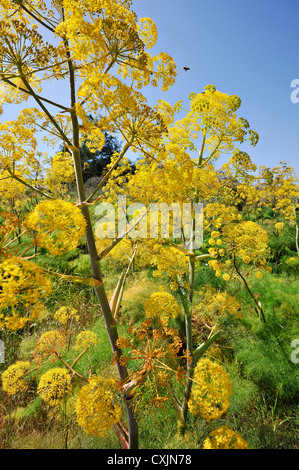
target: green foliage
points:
(204, 275)
(80, 265)
(263, 355)
(30, 411)
(283, 247)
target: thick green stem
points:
(182, 416)
(103, 300)
(202, 149)
(95, 265)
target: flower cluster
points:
(161, 305)
(54, 385)
(216, 215)
(12, 378)
(224, 438)
(244, 242)
(172, 263)
(153, 347)
(60, 173)
(278, 187)
(58, 224)
(22, 285)
(85, 339)
(279, 226)
(148, 31)
(211, 390)
(94, 406)
(240, 162)
(50, 343)
(248, 241)
(213, 302)
(8, 225)
(65, 314)
(150, 346)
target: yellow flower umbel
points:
(60, 174)
(85, 339)
(94, 408)
(153, 348)
(216, 303)
(224, 438)
(50, 343)
(54, 385)
(248, 241)
(22, 284)
(279, 226)
(163, 306)
(58, 224)
(8, 226)
(173, 263)
(12, 378)
(210, 391)
(244, 242)
(64, 314)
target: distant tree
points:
(94, 162)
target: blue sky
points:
(247, 48)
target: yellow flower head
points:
(12, 378)
(258, 274)
(22, 285)
(215, 234)
(210, 391)
(148, 32)
(247, 240)
(279, 226)
(54, 385)
(85, 339)
(217, 303)
(58, 224)
(213, 251)
(94, 407)
(49, 343)
(171, 261)
(161, 305)
(64, 314)
(224, 438)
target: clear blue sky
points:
(247, 48)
